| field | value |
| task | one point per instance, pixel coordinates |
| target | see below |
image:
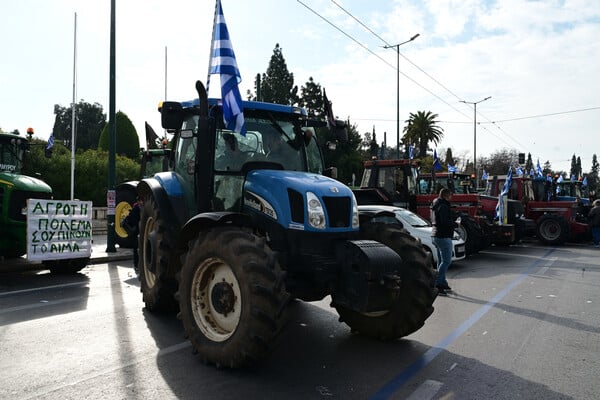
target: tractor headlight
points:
(316, 215)
(354, 213)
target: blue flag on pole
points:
(452, 168)
(484, 176)
(223, 63)
(519, 171)
(50, 142)
(505, 189)
(560, 179)
(411, 150)
(540, 174)
(584, 183)
(436, 162)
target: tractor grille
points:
(18, 202)
(336, 208)
(338, 211)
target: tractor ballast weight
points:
(231, 233)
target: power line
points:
(547, 115)
(425, 73)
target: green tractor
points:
(231, 233)
(15, 190)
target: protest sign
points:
(58, 229)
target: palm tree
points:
(421, 129)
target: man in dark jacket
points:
(594, 217)
(443, 231)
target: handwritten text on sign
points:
(58, 229)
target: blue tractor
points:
(233, 232)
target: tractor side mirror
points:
(171, 113)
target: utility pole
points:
(397, 47)
(474, 103)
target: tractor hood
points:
(284, 195)
(24, 182)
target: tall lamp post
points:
(397, 46)
(475, 136)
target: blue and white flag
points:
(584, 183)
(436, 162)
(411, 151)
(519, 171)
(573, 179)
(50, 142)
(452, 168)
(560, 179)
(485, 175)
(540, 174)
(505, 189)
(223, 63)
(531, 172)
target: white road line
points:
(426, 391)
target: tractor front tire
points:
(232, 297)
(417, 288)
(125, 199)
(155, 248)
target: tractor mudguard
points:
(169, 201)
(207, 220)
(369, 279)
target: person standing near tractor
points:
(443, 231)
(594, 218)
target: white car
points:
(415, 225)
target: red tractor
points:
(395, 182)
(555, 219)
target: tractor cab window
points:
(11, 154)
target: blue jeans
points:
(596, 234)
(444, 252)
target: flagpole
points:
(74, 110)
(212, 46)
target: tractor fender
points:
(207, 220)
(150, 187)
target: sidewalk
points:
(99, 256)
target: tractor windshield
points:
(11, 153)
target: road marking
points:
(426, 391)
(64, 285)
(397, 382)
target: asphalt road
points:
(523, 322)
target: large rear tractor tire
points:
(552, 229)
(125, 199)
(232, 297)
(155, 248)
(417, 288)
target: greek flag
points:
(436, 162)
(484, 176)
(540, 174)
(223, 63)
(411, 150)
(50, 142)
(452, 168)
(531, 172)
(584, 183)
(505, 189)
(519, 171)
(560, 179)
(573, 179)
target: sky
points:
(538, 60)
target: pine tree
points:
(128, 142)
(573, 170)
(311, 98)
(277, 84)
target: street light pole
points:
(397, 46)
(475, 136)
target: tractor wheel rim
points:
(216, 300)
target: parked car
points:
(415, 225)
